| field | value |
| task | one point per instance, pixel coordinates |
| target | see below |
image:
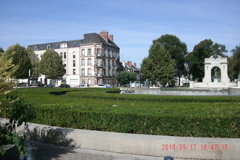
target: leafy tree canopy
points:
(6, 71)
(158, 65)
(1, 50)
(34, 62)
(176, 48)
(125, 77)
(235, 62)
(20, 58)
(51, 65)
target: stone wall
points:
(136, 144)
(158, 91)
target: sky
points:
(134, 23)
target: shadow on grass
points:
(59, 92)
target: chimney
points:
(130, 63)
(135, 65)
(104, 34)
(111, 37)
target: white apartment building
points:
(92, 60)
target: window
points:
(48, 46)
(61, 54)
(74, 71)
(83, 52)
(65, 55)
(106, 52)
(35, 48)
(89, 71)
(74, 63)
(98, 51)
(74, 44)
(110, 53)
(64, 63)
(89, 61)
(63, 45)
(83, 62)
(74, 54)
(83, 72)
(89, 52)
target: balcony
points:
(99, 55)
(99, 65)
(99, 74)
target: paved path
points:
(57, 152)
(47, 151)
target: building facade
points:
(92, 60)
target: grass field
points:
(107, 110)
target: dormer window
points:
(35, 48)
(48, 46)
(63, 45)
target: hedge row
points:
(105, 110)
(140, 124)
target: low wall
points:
(137, 144)
(212, 85)
(234, 91)
(158, 91)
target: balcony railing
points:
(99, 65)
(99, 55)
(99, 74)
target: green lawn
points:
(100, 109)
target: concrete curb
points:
(148, 145)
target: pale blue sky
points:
(134, 23)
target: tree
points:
(158, 66)
(234, 64)
(125, 77)
(20, 58)
(1, 50)
(12, 107)
(34, 62)
(51, 65)
(202, 50)
(177, 49)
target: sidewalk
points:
(56, 152)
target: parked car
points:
(49, 85)
(103, 86)
(22, 84)
(40, 84)
(83, 85)
(64, 86)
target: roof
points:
(97, 38)
(56, 45)
(89, 38)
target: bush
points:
(100, 109)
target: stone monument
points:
(215, 81)
(219, 79)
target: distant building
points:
(92, 60)
(128, 66)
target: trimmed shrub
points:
(104, 110)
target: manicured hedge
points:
(105, 110)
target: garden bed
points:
(106, 110)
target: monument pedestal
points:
(215, 83)
(191, 84)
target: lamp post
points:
(29, 74)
